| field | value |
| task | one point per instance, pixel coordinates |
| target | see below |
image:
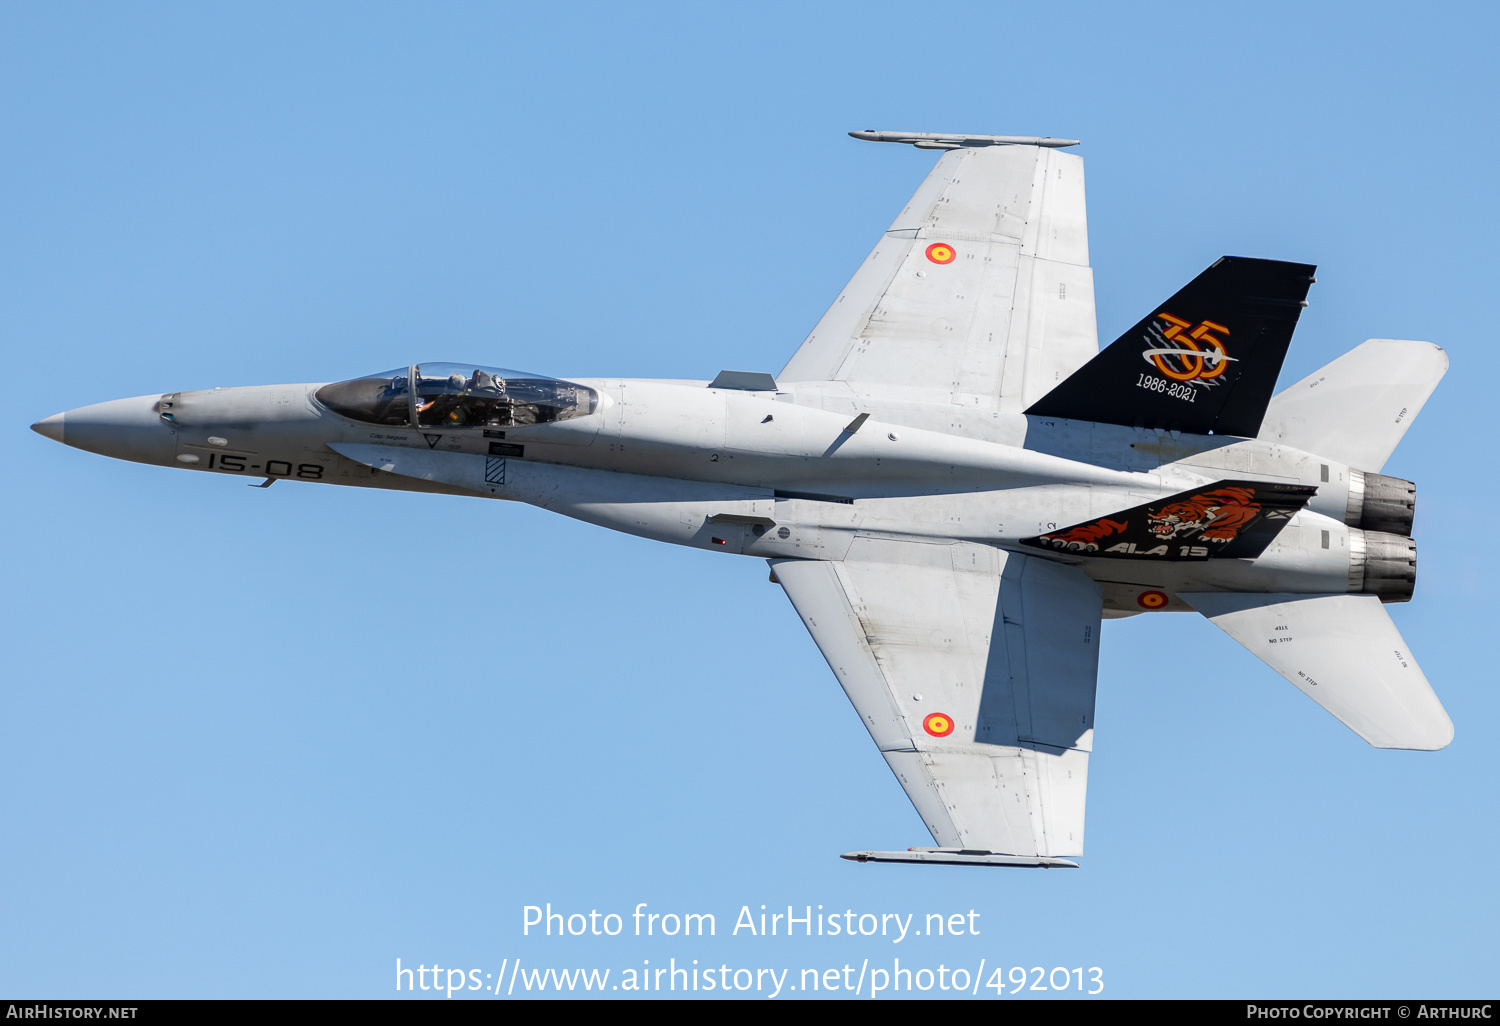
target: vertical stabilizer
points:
(1356, 409)
(1205, 361)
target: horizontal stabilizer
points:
(957, 857)
(1228, 519)
(1204, 362)
(1356, 409)
(1344, 653)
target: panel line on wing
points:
(998, 320)
(947, 681)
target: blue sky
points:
(243, 756)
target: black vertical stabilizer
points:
(1205, 361)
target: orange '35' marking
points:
(1188, 363)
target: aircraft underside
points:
(953, 484)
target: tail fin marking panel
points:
(1205, 361)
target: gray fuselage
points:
(799, 472)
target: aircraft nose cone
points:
(51, 426)
(127, 429)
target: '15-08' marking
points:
(231, 462)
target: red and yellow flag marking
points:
(938, 724)
(1152, 599)
(941, 253)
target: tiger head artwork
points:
(1218, 515)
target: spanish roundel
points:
(1152, 599)
(938, 724)
(941, 253)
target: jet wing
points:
(980, 292)
(974, 672)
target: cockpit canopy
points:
(455, 395)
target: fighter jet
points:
(951, 482)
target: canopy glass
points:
(455, 395)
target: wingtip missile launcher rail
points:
(954, 141)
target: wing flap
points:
(1344, 653)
